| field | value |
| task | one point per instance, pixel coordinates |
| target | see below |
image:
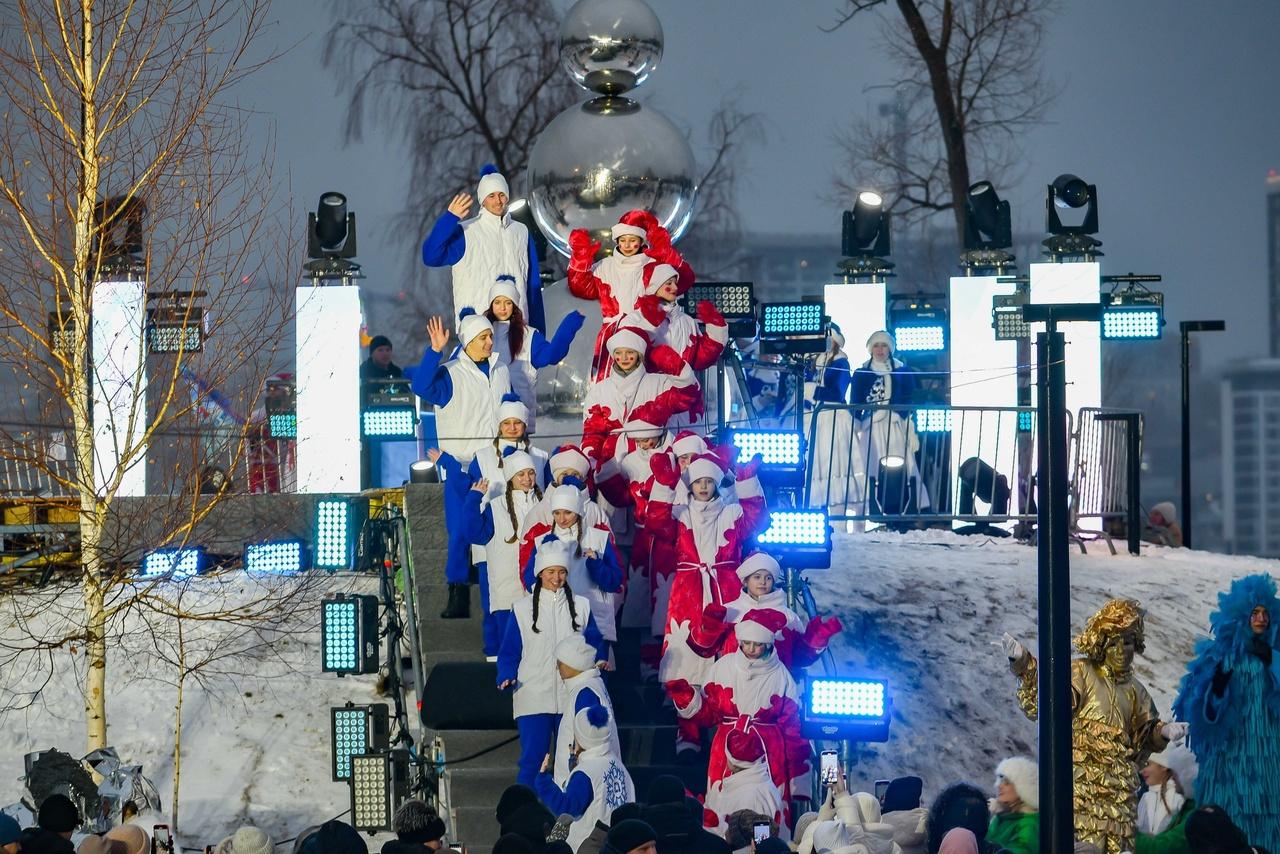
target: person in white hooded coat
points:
(598, 785)
(583, 686)
(748, 785)
(881, 382)
(527, 659)
(856, 827)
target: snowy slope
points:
(926, 610)
(923, 609)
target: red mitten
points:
(713, 618)
(719, 698)
(665, 360)
(819, 632)
(680, 692)
(709, 315)
(748, 471)
(665, 470)
(659, 248)
(650, 307)
(582, 249)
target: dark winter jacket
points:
(958, 805)
(1171, 840)
(595, 840)
(531, 821)
(37, 840)
(395, 846)
(1018, 832)
(680, 832)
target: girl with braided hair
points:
(512, 434)
(527, 660)
(492, 528)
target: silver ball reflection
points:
(610, 46)
(600, 159)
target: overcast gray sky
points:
(1169, 106)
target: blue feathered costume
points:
(1230, 697)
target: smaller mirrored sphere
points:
(610, 46)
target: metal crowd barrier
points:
(1099, 467)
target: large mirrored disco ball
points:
(610, 46)
(600, 159)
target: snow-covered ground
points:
(923, 609)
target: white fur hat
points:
(591, 727)
(630, 339)
(518, 461)
(837, 336)
(513, 409)
(622, 228)
(656, 275)
(882, 337)
(1024, 775)
(704, 466)
(757, 562)
(505, 286)
(472, 325)
(570, 457)
(576, 652)
(689, 443)
(1182, 762)
(491, 181)
(566, 496)
(551, 552)
(1166, 510)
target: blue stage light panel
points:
(791, 318)
(920, 338)
(846, 708)
(334, 534)
(797, 528)
(1131, 323)
(349, 634)
(350, 736)
(175, 563)
(933, 420)
(389, 423)
(283, 557)
(283, 425)
(1026, 422)
(776, 447)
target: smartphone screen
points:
(161, 840)
(760, 831)
(882, 786)
(830, 767)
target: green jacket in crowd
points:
(1018, 832)
(1173, 840)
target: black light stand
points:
(1186, 327)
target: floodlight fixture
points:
(389, 423)
(1133, 313)
(356, 730)
(865, 237)
(175, 329)
(846, 708)
(331, 238)
(988, 229)
(1006, 317)
(379, 785)
(786, 319)
(1068, 192)
(337, 527)
(349, 634)
(118, 235)
(894, 492)
(281, 403)
(800, 538)
(62, 333)
(781, 452)
(423, 471)
(173, 563)
(933, 420)
(278, 557)
(735, 300)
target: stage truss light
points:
(735, 300)
(1135, 313)
(349, 634)
(1006, 317)
(62, 333)
(988, 228)
(920, 338)
(176, 324)
(786, 319)
(331, 239)
(1067, 192)
(781, 451)
(173, 563)
(356, 730)
(1026, 422)
(933, 421)
(400, 423)
(337, 526)
(844, 708)
(279, 557)
(281, 402)
(864, 238)
(424, 471)
(379, 784)
(800, 538)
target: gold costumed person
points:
(1115, 726)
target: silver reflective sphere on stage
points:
(600, 159)
(610, 46)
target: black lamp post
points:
(1186, 327)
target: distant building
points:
(1251, 457)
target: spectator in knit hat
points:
(631, 837)
(56, 820)
(418, 829)
(1162, 526)
(335, 837)
(1015, 825)
(246, 840)
(10, 835)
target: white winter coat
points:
(472, 411)
(502, 559)
(537, 679)
(524, 376)
(603, 605)
(625, 277)
(495, 246)
(611, 786)
(749, 788)
(587, 680)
